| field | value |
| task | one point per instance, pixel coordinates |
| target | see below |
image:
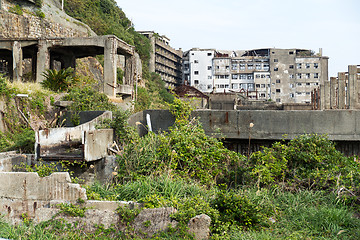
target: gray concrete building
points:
(282, 75)
(164, 59)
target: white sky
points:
(333, 25)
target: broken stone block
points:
(200, 226)
(154, 220)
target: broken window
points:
(234, 76)
(262, 94)
(316, 65)
(307, 84)
(278, 90)
(299, 84)
(298, 65)
(250, 76)
(250, 66)
(278, 100)
(316, 75)
(266, 66)
(217, 67)
(262, 75)
(209, 86)
(196, 72)
(276, 60)
(234, 66)
(209, 67)
(242, 76)
(307, 93)
(196, 81)
(226, 85)
(227, 67)
(277, 80)
(291, 76)
(298, 76)
(257, 76)
(242, 66)
(251, 86)
(209, 54)
(196, 61)
(291, 52)
(291, 95)
(262, 85)
(307, 75)
(276, 69)
(258, 66)
(291, 85)
(209, 77)
(257, 85)
(291, 66)
(307, 65)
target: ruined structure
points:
(164, 59)
(343, 91)
(282, 75)
(44, 52)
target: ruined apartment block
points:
(282, 75)
(164, 59)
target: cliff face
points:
(28, 25)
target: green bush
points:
(237, 209)
(38, 3)
(16, 9)
(308, 161)
(24, 141)
(40, 14)
(59, 81)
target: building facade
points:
(197, 69)
(282, 75)
(164, 60)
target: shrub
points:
(16, 9)
(237, 209)
(38, 3)
(58, 81)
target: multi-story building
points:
(197, 69)
(164, 59)
(283, 75)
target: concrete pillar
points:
(352, 87)
(341, 91)
(325, 102)
(129, 70)
(43, 60)
(333, 93)
(17, 61)
(110, 64)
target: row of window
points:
(303, 75)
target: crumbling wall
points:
(55, 24)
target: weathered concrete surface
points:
(55, 143)
(339, 125)
(22, 193)
(10, 159)
(200, 226)
(151, 221)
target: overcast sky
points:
(333, 25)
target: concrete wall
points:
(339, 125)
(55, 142)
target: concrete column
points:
(43, 60)
(129, 70)
(325, 102)
(17, 61)
(352, 87)
(333, 93)
(341, 91)
(110, 64)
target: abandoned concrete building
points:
(164, 59)
(283, 75)
(44, 53)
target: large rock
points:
(154, 220)
(200, 226)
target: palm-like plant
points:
(58, 81)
